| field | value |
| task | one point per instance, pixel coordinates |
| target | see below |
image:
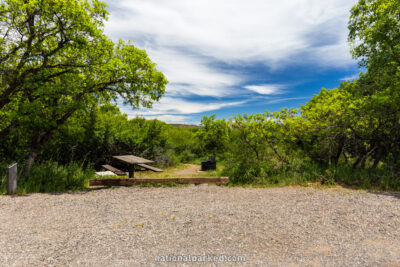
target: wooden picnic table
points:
(132, 160)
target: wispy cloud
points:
(178, 106)
(169, 105)
(192, 75)
(266, 89)
(235, 31)
(350, 78)
(286, 99)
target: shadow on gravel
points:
(14, 196)
(395, 194)
(78, 192)
(386, 193)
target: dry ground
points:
(183, 170)
(189, 170)
(270, 227)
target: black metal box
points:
(210, 164)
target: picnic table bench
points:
(113, 169)
(151, 168)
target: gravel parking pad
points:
(136, 226)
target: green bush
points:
(165, 158)
(245, 171)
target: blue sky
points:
(233, 56)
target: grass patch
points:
(312, 175)
(49, 177)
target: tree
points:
(261, 133)
(375, 36)
(213, 134)
(55, 60)
(322, 128)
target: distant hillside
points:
(185, 125)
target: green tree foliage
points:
(259, 133)
(56, 60)
(94, 135)
(213, 135)
(183, 142)
(322, 128)
(375, 36)
(252, 138)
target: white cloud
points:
(351, 78)
(189, 74)
(169, 105)
(177, 110)
(335, 55)
(235, 30)
(280, 100)
(178, 107)
(266, 89)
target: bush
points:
(165, 158)
(246, 172)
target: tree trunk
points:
(395, 156)
(40, 139)
(281, 158)
(36, 146)
(29, 163)
(377, 158)
(363, 162)
(346, 158)
(363, 159)
(339, 152)
(357, 162)
(376, 162)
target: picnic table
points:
(131, 161)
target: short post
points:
(12, 179)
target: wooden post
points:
(12, 179)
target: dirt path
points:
(137, 226)
(190, 169)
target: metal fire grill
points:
(210, 164)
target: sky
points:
(226, 57)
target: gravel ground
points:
(269, 227)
